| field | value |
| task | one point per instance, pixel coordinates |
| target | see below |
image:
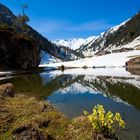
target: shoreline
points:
(24, 116)
(49, 69)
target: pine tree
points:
(21, 20)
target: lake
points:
(75, 90)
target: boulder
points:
(7, 90)
(27, 133)
(134, 62)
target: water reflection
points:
(73, 91)
(133, 71)
(118, 94)
(120, 89)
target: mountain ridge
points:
(60, 52)
(125, 33)
(114, 38)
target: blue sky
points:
(63, 19)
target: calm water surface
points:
(75, 90)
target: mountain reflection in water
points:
(75, 90)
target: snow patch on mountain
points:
(46, 58)
(74, 43)
(91, 48)
(135, 44)
(115, 28)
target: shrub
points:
(62, 68)
(4, 26)
(105, 123)
(85, 67)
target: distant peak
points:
(74, 43)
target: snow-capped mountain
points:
(123, 36)
(74, 43)
(115, 28)
(115, 38)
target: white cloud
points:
(64, 28)
(49, 26)
(91, 26)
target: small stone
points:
(32, 134)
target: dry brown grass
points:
(24, 113)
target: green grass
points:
(29, 112)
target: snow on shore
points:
(109, 60)
(4, 73)
(112, 72)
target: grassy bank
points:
(24, 116)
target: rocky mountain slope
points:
(60, 52)
(124, 35)
(17, 51)
(115, 38)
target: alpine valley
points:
(123, 38)
(69, 89)
(124, 35)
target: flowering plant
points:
(103, 122)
